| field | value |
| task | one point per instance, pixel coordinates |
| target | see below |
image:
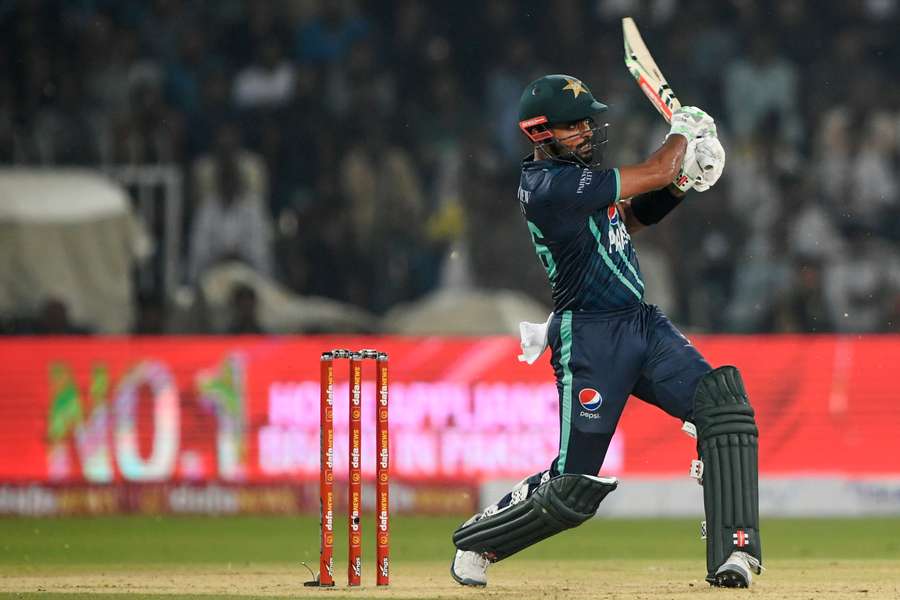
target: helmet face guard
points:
(538, 130)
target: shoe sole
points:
(462, 581)
(731, 579)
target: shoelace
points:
(753, 563)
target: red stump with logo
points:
(382, 476)
(326, 474)
(354, 505)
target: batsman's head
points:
(558, 114)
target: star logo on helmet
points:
(576, 86)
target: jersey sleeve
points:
(585, 191)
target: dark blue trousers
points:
(602, 358)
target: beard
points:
(588, 154)
(585, 152)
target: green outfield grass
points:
(135, 541)
(119, 548)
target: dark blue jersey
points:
(579, 236)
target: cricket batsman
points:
(607, 343)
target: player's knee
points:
(721, 405)
(585, 452)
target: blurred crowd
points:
(368, 151)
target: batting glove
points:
(692, 122)
(704, 161)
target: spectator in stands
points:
(53, 319)
(714, 45)
(328, 37)
(806, 309)
(811, 232)
(66, 130)
(759, 85)
(413, 30)
(847, 53)
(499, 255)
(169, 28)
(100, 83)
(314, 254)
(316, 258)
(857, 283)
(763, 277)
(266, 83)
(151, 132)
(186, 71)
(244, 308)
(231, 221)
(214, 110)
(295, 167)
(360, 85)
(114, 66)
(229, 149)
(834, 149)
(874, 181)
(503, 86)
(255, 24)
(386, 207)
(710, 283)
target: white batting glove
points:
(710, 157)
(692, 122)
(704, 161)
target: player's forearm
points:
(657, 171)
(669, 158)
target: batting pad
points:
(727, 441)
(558, 504)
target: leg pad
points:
(558, 504)
(727, 441)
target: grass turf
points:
(131, 542)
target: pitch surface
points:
(175, 558)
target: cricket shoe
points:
(736, 571)
(469, 568)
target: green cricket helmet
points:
(556, 100)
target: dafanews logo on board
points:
(590, 399)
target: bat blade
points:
(645, 72)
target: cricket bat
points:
(648, 76)
(645, 72)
